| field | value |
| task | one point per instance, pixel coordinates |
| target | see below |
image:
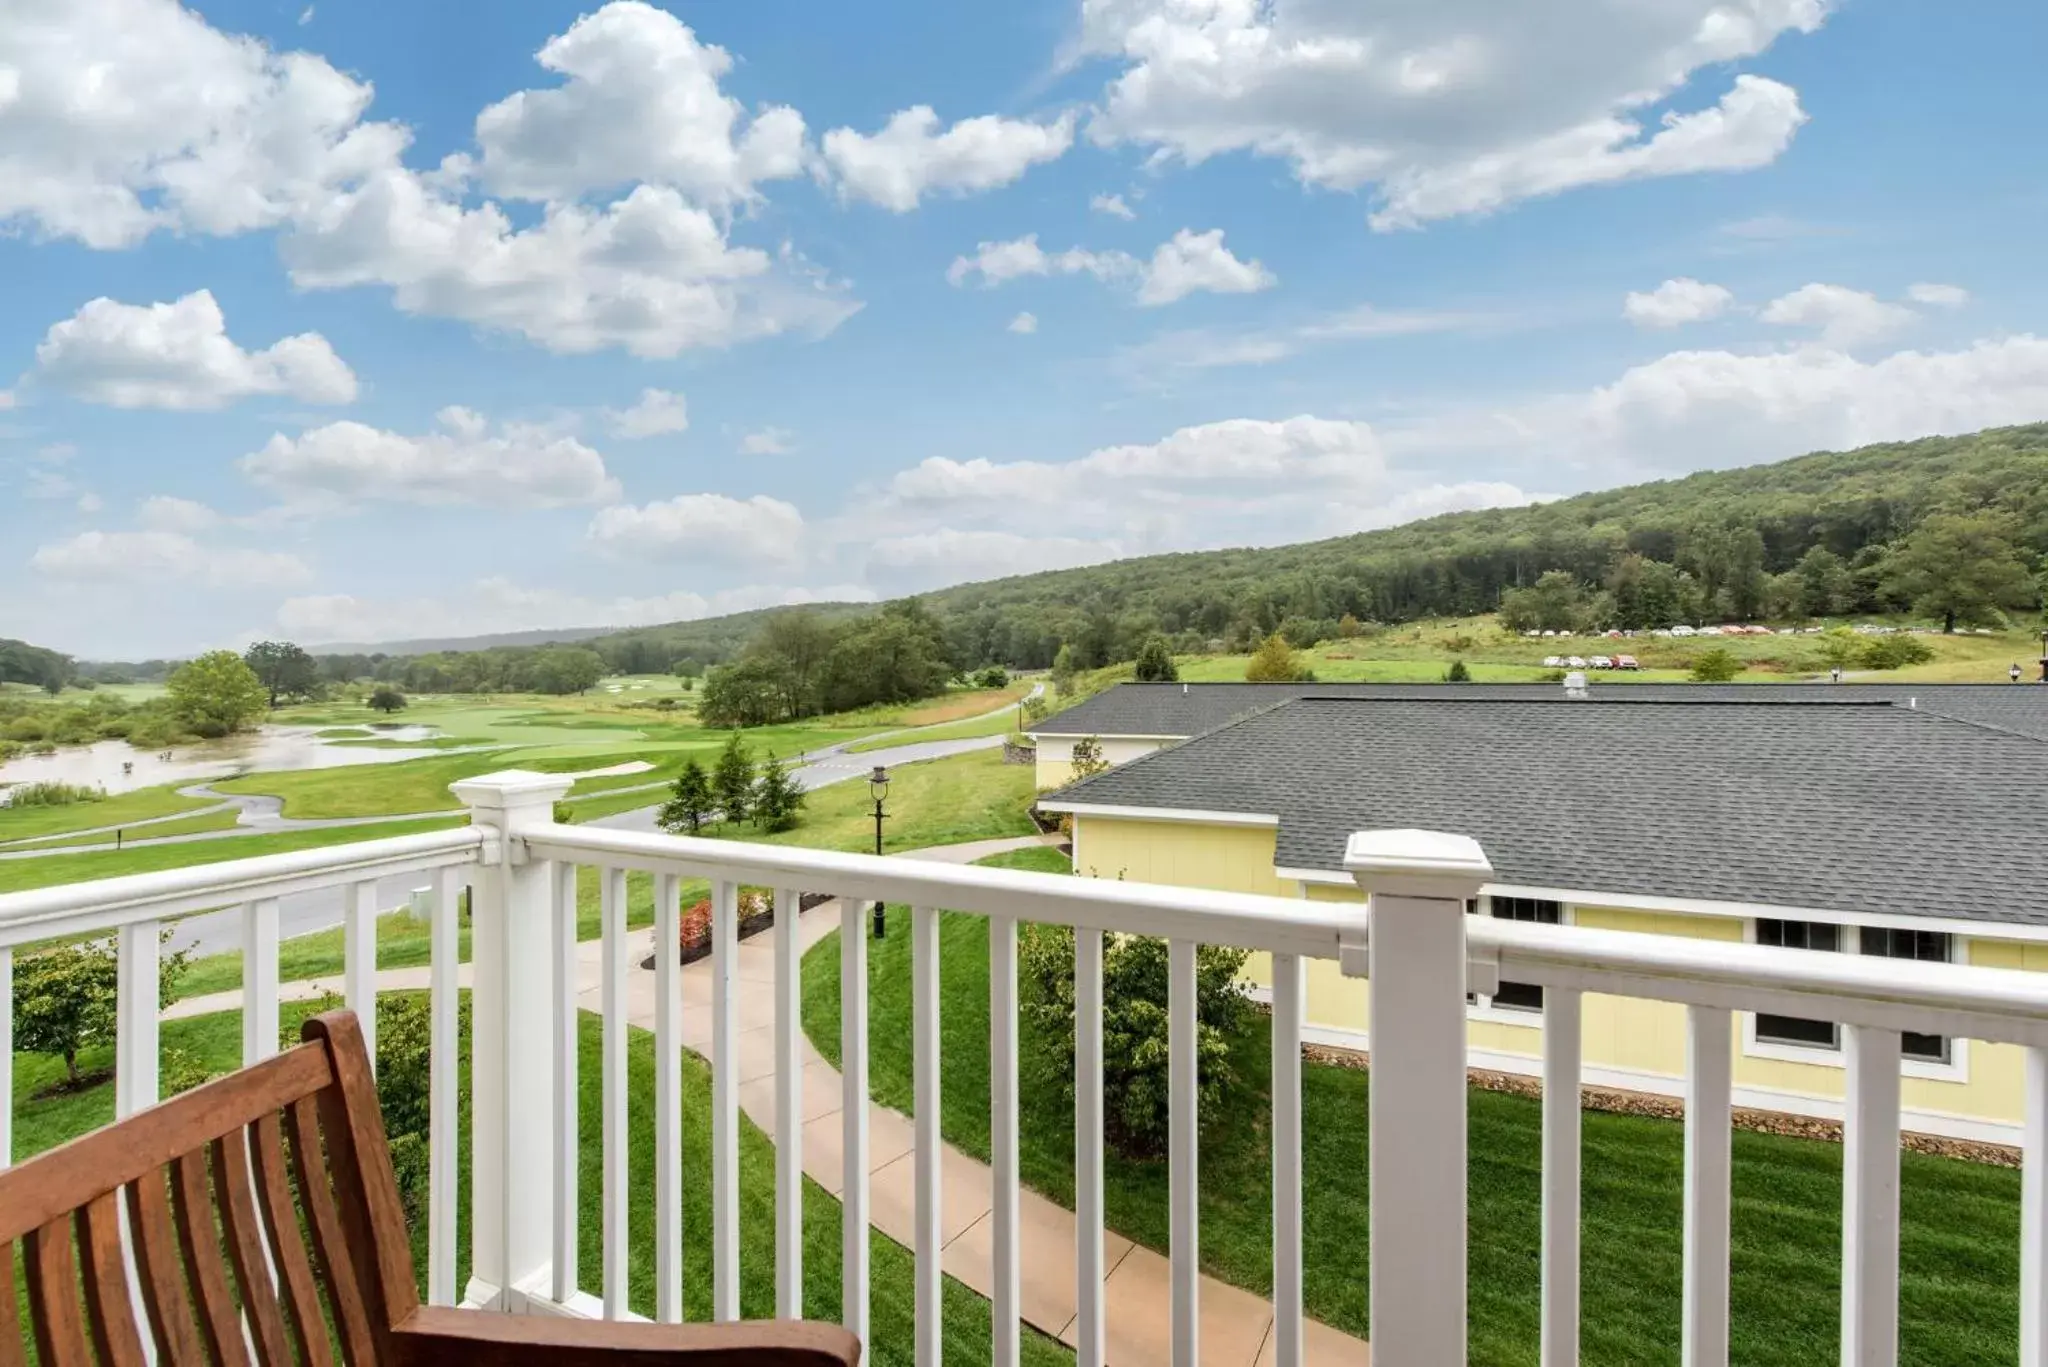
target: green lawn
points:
(216, 1041)
(17, 875)
(993, 725)
(26, 823)
(1959, 1247)
(190, 825)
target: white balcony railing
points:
(1422, 953)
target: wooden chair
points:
(285, 1165)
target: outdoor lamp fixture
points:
(2044, 657)
(878, 784)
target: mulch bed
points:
(699, 946)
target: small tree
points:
(1894, 652)
(1459, 672)
(1087, 759)
(1276, 662)
(1063, 670)
(386, 699)
(1155, 662)
(690, 801)
(732, 780)
(778, 797)
(64, 998)
(217, 694)
(1718, 665)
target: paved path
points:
(1236, 1325)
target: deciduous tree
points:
(217, 694)
(1962, 568)
(1276, 662)
(65, 996)
(1155, 661)
(285, 670)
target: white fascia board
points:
(1192, 816)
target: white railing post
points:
(512, 1074)
(1418, 883)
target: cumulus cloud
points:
(1938, 296)
(1188, 263)
(1024, 324)
(769, 441)
(1842, 317)
(1675, 302)
(953, 556)
(1455, 108)
(640, 101)
(658, 413)
(910, 157)
(1114, 206)
(146, 557)
(179, 356)
(169, 513)
(464, 462)
(702, 527)
(497, 604)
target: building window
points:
(1524, 996)
(1927, 946)
(1796, 1030)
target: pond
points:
(118, 767)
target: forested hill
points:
(1720, 543)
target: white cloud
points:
(1187, 263)
(658, 413)
(1675, 302)
(1114, 206)
(1453, 108)
(147, 557)
(1199, 262)
(1211, 349)
(769, 441)
(952, 556)
(1842, 316)
(702, 527)
(910, 158)
(463, 463)
(640, 101)
(179, 356)
(497, 604)
(90, 502)
(1024, 324)
(1938, 296)
(169, 513)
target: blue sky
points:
(371, 320)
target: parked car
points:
(1574, 662)
(1626, 662)
(1553, 662)
(1600, 662)
(1683, 630)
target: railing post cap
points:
(509, 789)
(1417, 863)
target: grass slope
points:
(17, 875)
(1959, 1247)
(28, 823)
(190, 825)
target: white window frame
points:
(1482, 1007)
(1955, 1069)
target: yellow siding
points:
(1053, 773)
(1179, 853)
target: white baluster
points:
(789, 1105)
(1709, 1077)
(259, 981)
(444, 932)
(617, 1196)
(1090, 1264)
(853, 1079)
(566, 1031)
(138, 963)
(924, 1029)
(1419, 882)
(1005, 1291)
(6, 1056)
(1562, 1049)
(1287, 1014)
(2034, 1215)
(1183, 1145)
(725, 1102)
(668, 1100)
(1870, 1198)
(359, 961)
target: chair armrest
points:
(441, 1337)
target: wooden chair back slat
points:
(160, 1272)
(299, 1293)
(53, 1296)
(108, 1311)
(372, 1217)
(12, 1354)
(244, 1234)
(220, 1322)
(330, 1250)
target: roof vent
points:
(1575, 684)
(1912, 704)
(1183, 690)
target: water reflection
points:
(119, 767)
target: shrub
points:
(1718, 665)
(64, 998)
(51, 794)
(1275, 661)
(1087, 760)
(995, 676)
(1134, 1027)
(1155, 662)
(1894, 652)
(1459, 672)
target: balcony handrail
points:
(109, 903)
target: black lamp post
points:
(2044, 656)
(878, 785)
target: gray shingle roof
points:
(1135, 709)
(1860, 809)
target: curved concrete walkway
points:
(1236, 1325)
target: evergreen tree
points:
(732, 781)
(1063, 671)
(1155, 662)
(778, 798)
(1276, 662)
(690, 801)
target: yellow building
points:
(1875, 826)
